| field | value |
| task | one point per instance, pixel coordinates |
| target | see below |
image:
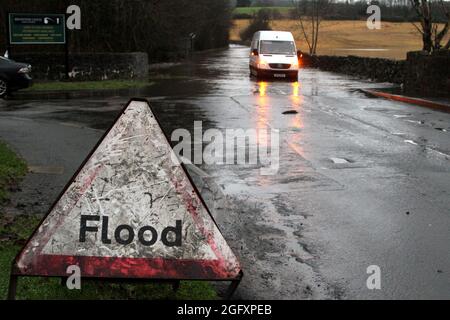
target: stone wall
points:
(428, 75)
(421, 74)
(87, 66)
(381, 70)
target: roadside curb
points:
(416, 101)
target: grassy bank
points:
(11, 169)
(350, 37)
(15, 230)
(88, 85)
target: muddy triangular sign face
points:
(130, 212)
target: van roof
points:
(276, 35)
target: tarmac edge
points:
(416, 101)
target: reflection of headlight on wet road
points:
(295, 89)
(262, 89)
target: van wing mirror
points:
(255, 52)
(299, 54)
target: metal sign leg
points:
(175, 285)
(12, 289)
(233, 286)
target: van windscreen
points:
(277, 47)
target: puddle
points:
(411, 142)
(415, 121)
(400, 116)
(339, 160)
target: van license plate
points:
(279, 75)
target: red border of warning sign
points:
(121, 267)
(116, 267)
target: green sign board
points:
(32, 28)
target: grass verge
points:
(88, 85)
(15, 230)
(11, 169)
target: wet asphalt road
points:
(361, 181)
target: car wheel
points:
(3, 88)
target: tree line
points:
(162, 28)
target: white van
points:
(274, 54)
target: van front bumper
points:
(277, 73)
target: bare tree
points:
(432, 35)
(310, 14)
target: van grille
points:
(279, 65)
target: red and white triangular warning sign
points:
(130, 212)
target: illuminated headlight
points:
(25, 70)
(262, 64)
(295, 64)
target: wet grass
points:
(12, 168)
(15, 230)
(88, 85)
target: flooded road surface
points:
(361, 182)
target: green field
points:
(251, 10)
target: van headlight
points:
(262, 64)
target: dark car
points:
(13, 76)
